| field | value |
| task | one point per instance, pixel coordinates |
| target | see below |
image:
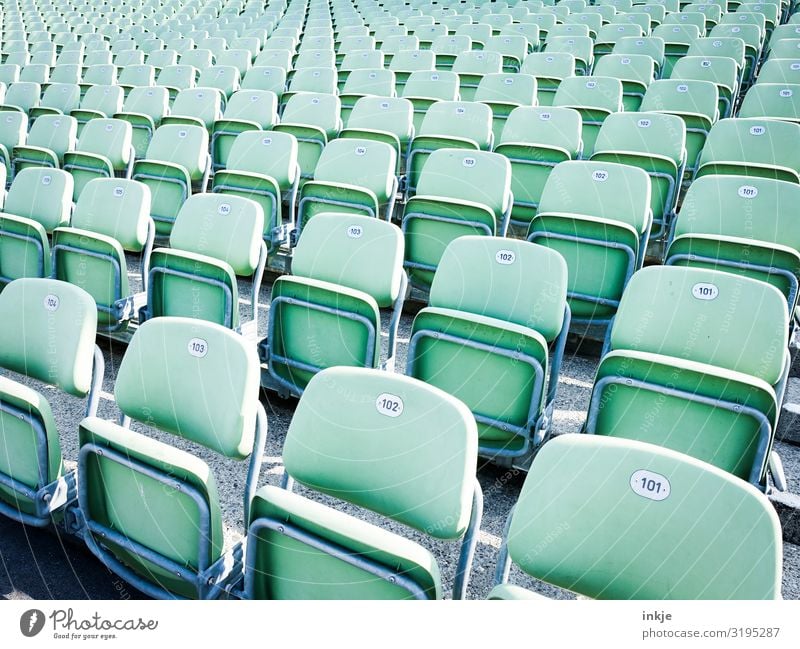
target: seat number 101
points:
(650, 485)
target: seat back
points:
(186, 146)
(117, 208)
(272, 154)
(728, 547)
(442, 85)
(318, 79)
(740, 321)
(217, 367)
(203, 103)
(772, 100)
(104, 99)
(339, 248)
(137, 75)
(605, 190)
(224, 227)
(507, 279)
(265, 78)
(259, 106)
(507, 88)
(421, 431)
(56, 133)
(752, 147)
(594, 93)
(111, 138)
(471, 121)
(42, 195)
(657, 134)
(31, 310)
(23, 95)
(478, 176)
(313, 109)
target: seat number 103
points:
(650, 485)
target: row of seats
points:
(357, 176)
(298, 548)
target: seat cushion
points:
(289, 569)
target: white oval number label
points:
(389, 404)
(704, 291)
(748, 191)
(469, 162)
(51, 302)
(198, 347)
(224, 209)
(600, 176)
(355, 231)
(650, 485)
(505, 257)
(757, 130)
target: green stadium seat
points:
(176, 78)
(595, 98)
(424, 88)
(46, 143)
(677, 39)
(177, 163)
(224, 78)
(695, 102)
(246, 110)
(448, 125)
(609, 35)
(314, 119)
(38, 201)
(363, 83)
(352, 176)
(214, 239)
(598, 216)
(127, 476)
(777, 101)
(111, 217)
(21, 96)
(752, 147)
(636, 71)
(716, 401)
(504, 92)
(720, 70)
(472, 66)
(780, 71)
(580, 47)
(35, 487)
(322, 80)
(200, 106)
(298, 548)
(656, 143)
(447, 48)
(328, 297)
(104, 150)
(459, 192)
(57, 99)
(271, 180)
(133, 76)
(723, 547)
(383, 119)
(536, 139)
(493, 337)
(144, 109)
(715, 230)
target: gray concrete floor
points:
(41, 564)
